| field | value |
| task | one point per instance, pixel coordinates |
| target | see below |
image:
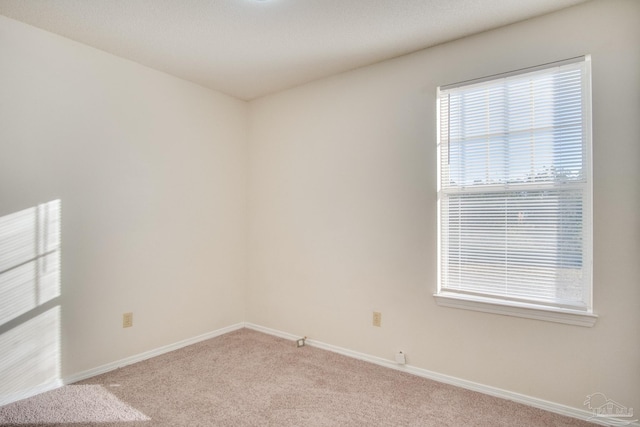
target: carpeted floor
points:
(246, 378)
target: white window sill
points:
(509, 308)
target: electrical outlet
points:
(377, 318)
(127, 320)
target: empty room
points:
(320, 212)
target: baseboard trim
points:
(447, 379)
(269, 331)
(149, 354)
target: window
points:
(514, 193)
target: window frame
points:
(523, 308)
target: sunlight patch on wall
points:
(29, 259)
(29, 301)
(30, 357)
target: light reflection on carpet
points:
(70, 404)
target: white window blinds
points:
(514, 186)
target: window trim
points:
(496, 305)
(517, 309)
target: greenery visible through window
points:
(515, 187)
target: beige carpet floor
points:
(246, 378)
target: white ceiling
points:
(249, 48)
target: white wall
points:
(342, 213)
(151, 174)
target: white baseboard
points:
(149, 354)
(458, 382)
(274, 332)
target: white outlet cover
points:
(400, 358)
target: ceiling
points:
(250, 48)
